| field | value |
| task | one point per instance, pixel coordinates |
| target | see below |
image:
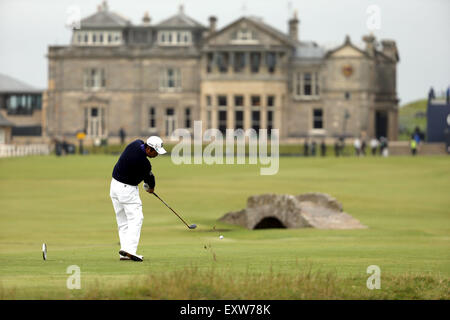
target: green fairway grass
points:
(64, 202)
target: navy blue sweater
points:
(133, 166)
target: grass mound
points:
(412, 115)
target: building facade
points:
(21, 114)
(154, 78)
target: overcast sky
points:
(421, 29)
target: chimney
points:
(293, 27)
(370, 44)
(146, 18)
(347, 39)
(389, 48)
(103, 6)
(212, 24)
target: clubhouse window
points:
(222, 101)
(94, 78)
(239, 61)
(318, 119)
(174, 38)
(255, 61)
(170, 79)
(222, 121)
(152, 118)
(269, 121)
(270, 101)
(238, 101)
(256, 120)
(239, 119)
(222, 61)
(306, 84)
(271, 61)
(256, 101)
(187, 118)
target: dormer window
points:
(97, 38)
(174, 38)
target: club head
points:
(192, 226)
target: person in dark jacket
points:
(122, 135)
(336, 148)
(306, 148)
(363, 147)
(323, 148)
(313, 148)
(131, 169)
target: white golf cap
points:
(157, 144)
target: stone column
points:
(263, 112)
(231, 63)
(262, 65)
(279, 109)
(393, 125)
(214, 117)
(214, 66)
(230, 113)
(203, 114)
(371, 123)
(247, 112)
(247, 69)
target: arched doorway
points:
(381, 124)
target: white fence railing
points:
(10, 150)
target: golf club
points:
(192, 226)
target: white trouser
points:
(128, 207)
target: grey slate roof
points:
(9, 84)
(104, 18)
(180, 20)
(309, 50)
(4, 122)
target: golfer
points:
(129, 171)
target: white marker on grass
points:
(44, 251)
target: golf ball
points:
(220, 237)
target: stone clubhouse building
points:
(153, 78)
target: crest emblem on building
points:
(347, 70)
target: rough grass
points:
(192, 283)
